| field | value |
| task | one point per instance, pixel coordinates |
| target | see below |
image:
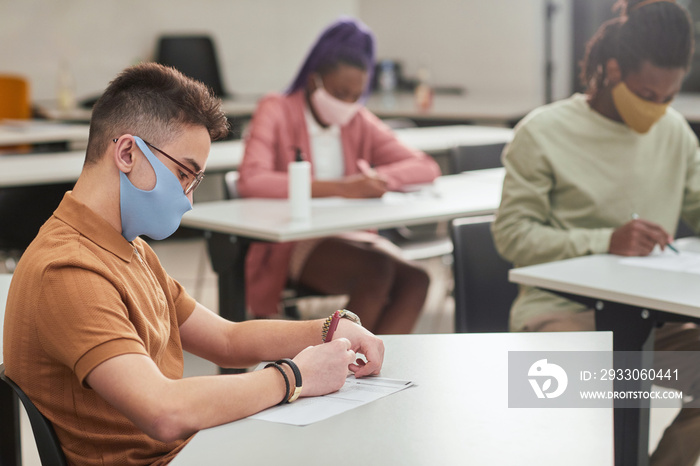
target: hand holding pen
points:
(367, 170)
(362, 341)
(367, 184)
(638, 237)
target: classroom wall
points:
(492, 46)
(260, 42)
(486, 46)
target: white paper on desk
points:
(686, 261)
(355, 393)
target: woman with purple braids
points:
(353, 155)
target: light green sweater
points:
(573, 176)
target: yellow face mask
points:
(637, 113)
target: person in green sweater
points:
(609, 171)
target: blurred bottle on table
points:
(299, 188)
(387, 76)
(423, 92)
(65, 87)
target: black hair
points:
(660, 32)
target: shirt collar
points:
(89, 224)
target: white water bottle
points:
(300, 188)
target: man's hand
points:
(324, 367)
(638, 238)
(365, 342)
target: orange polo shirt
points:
(82, 294)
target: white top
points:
(456, 414)
(326, 149)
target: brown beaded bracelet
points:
(286, 381)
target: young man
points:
(95, 328)
(609, 171)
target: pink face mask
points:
(332, 111)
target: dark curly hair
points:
(660, 32)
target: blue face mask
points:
(156, 213)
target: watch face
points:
(351, 316)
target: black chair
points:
(683, 230)
(194, 56)
(465, 158)
(483, 294)
(47, 443)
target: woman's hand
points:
(362, 186)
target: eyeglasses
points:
(198, 177)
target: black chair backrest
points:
(194, 56)
(47, 443)
(483, 294)
(466, 158)
(683, 230)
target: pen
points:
(365, 168)
(332, 326)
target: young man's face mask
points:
(156, 213)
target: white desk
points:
(629, 301)
(9, 405)
(233, 224)
(434, 139)
(5, 279)
(240, 107)
(470, 193)
(500, 109)
(602, 277)
(63, 167)
(17, 132)
(457, 414)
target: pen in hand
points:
(635, 216)
(366, 169)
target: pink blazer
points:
(277, 127)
